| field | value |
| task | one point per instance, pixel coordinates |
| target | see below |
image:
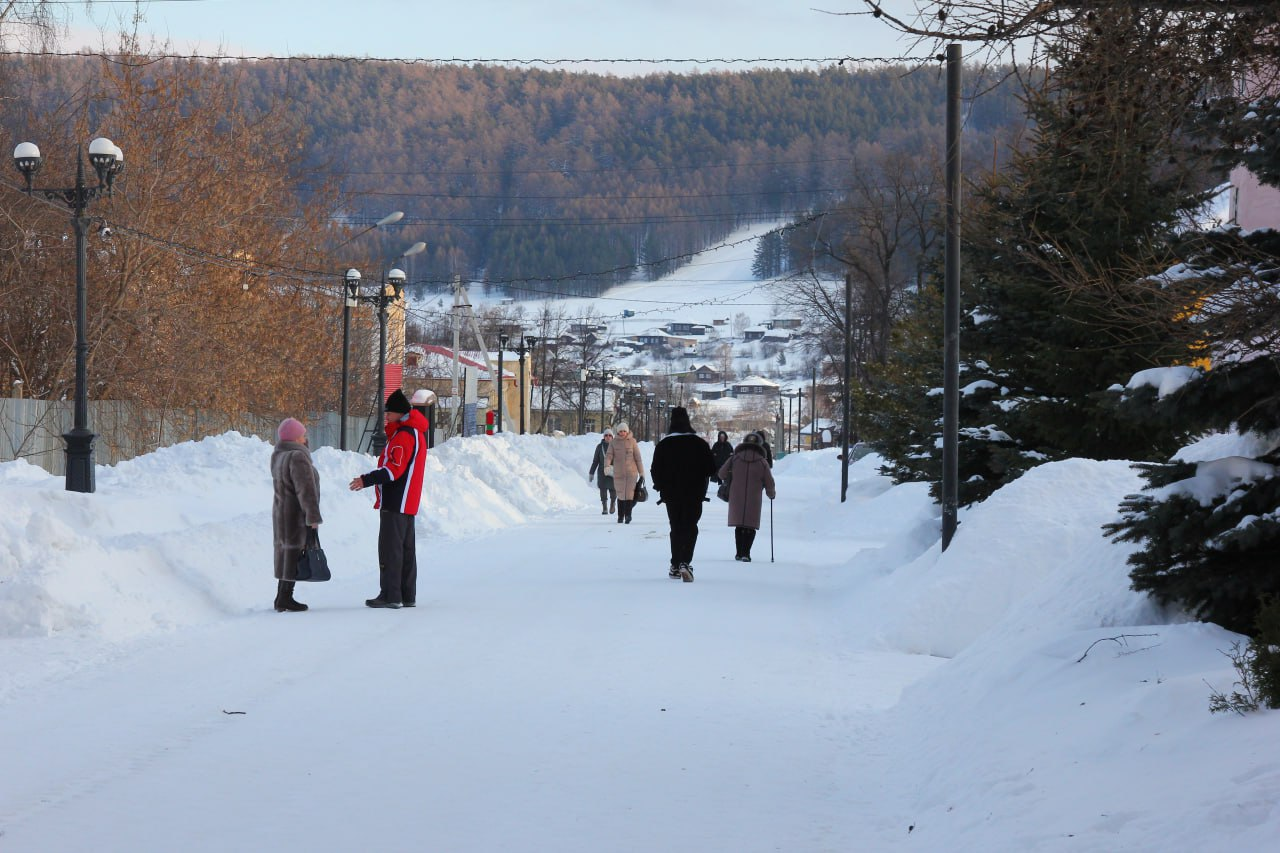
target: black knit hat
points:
(398, 402)
(680, 420)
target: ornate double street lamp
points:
(604, 376)
(786, 427)
(351, 298)
(390, 289)
(108, 161)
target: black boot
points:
(604, 507)
(613, 503)
(284, 599)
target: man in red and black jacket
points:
(398, 482)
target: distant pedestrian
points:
(295, 507)
(398, 482)
(682, 466)
(424, 401)
(721, 450)
(608, 496)
(623, 462)
(764, 444)
(748, 474)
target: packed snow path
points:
(553, 690)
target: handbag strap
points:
(313, 537)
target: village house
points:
(756, 386)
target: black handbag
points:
(642, 494)
(313, 565)
(722, 492)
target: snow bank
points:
(182, 536)
(1030, 558)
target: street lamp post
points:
(350, 299)
(662, 407)
(648, 418)
(786, 427)
(527, 343)
(605, 376)
(582, 405)
(108, 161)
(395, 279)
(502, 344)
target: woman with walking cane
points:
(748, 475)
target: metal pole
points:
(80, 473)
(501, 343)
(379, 434)
(951, 306)
(346, 366)
(848, 367)
(603, 379)
(813, 411)
(522, 397)
(770, 530)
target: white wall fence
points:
(32, 430)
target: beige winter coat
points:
(296, 505)
(624, 455)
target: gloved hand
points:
(590, 478)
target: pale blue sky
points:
(518, 29)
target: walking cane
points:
(770, 530)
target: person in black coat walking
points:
(764, 444)
(681, 468)
(721, 451)
(608, 496)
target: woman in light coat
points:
(295, 509)
(748, 474)
(623, 456)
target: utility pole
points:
(951, 308)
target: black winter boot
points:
(284, 599)
(604, 507)
(613, 503)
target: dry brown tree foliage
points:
(201, 266)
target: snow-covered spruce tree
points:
(1053, 243)
(899, 408)
(1210, 527)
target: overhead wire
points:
(145, 59)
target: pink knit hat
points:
(291, 429)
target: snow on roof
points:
(752, 381)
(435, 357)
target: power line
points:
(149, 59)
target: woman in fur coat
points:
(748, 474)
(295, 509)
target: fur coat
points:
(296, 505)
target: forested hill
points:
(532, 176)
(551, 180)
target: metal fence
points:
(32, 430)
